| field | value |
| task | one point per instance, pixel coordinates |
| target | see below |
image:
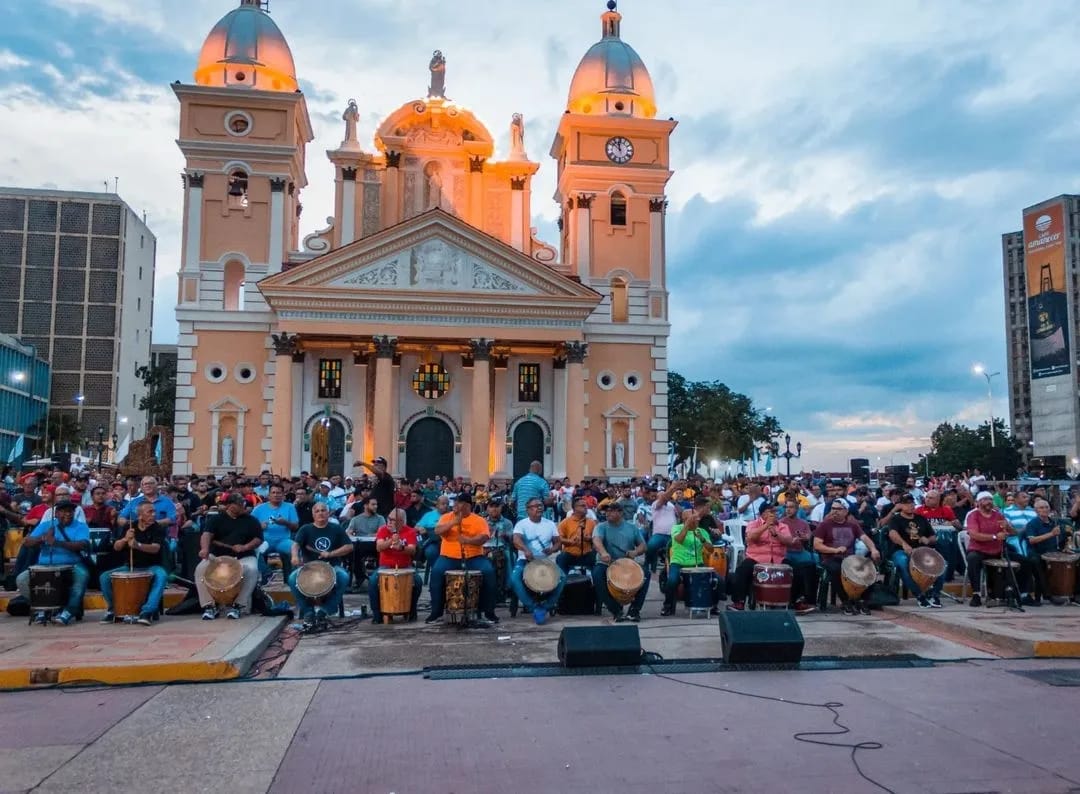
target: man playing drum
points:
(232, 533)
(463, 535)
(320, 540)
(141, 545)
(616, 539)
(987, 529)
(767, 543)
(575, 535)
(62, 541)
(396, 544)
(535, 538)
(689, 542)
(834, 539)
(907, 531)
(1040, 536)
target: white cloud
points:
(9, 60)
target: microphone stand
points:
(1012, 589)
(469, 622)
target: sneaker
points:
(491, 617)
(210, 613)
(108, 617)
(737, 606)
(849, 609)
(924, 602)
(145, 619)
(714, 612)
(540, 616)
(864, 609)
(65, 617)
(233, 613)
(40, 619)
(935, 602)
(803, 608)
(432, 619)
(634, 616)
(620, 617)
(667, 611)
(1028, 601)
(976, 600)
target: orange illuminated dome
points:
(612, 79)
(246, 50)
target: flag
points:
(157, 451)
(17, 449)
(121, 451)
(753, 462)
(671, 459)
(768, 462)
(693, 460)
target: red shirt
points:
(103, 517)
(402, 499)
(984, 525)
(839, 535)
(36, 512)
(391, 558)
(942, 514)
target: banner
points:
(1044, 261)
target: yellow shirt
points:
(472, 525)
(576, 535)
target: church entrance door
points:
(328, 449)
(429, 450)
(528, 446)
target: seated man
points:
(615, 539)
(364, 524)
(765, 545)
(62, 541)
(396, 544)
(425, 529)
(798, 537)
(502, 532)
(234, 533)
(323, 540)
(463, 535)
(278, 520)
(535, 538)
(834, 540)
(689, 544)
(908, 529)
(987, 529)
(1039, 537)
(943, 520)
(575, 535)
(141, 546)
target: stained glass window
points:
(329, 378)
(528, 383)
(431, 381)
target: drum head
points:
(1000, 564)
(398, 571)
(698, 570)
(859, 570)
(540, 576)
(316, 579)
(928, 561)
(223, 573)
(1061, 556)
(626, 574)
(131, 575)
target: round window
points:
(431, 381)
(606, 380)
(244, 373)
(215, 372)
(238, 123)
(632, 381)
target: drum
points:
(130, 589)
(772, 585)
(540, 578)
(699, 587)
(496, 552)
(315, 580)
(925, 566)
(856, 574)
(50, 586)
(365, 553)
(395, 591)
(223, 577)
(717, 560)
(13, 539)
(577, 596)
(455, 591)
(1061, 575)
(998, 579)
(624, 578)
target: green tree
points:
(63, 428)
(955, 448)
(721, 422)
(160, 399)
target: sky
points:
(843, 170)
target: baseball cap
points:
(325, 484)
(840, 503)
(380, 459)
(465, 497)
(64, 505)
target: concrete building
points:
(1042, 315)
(426, 323)
(77, 283)
(24, 397)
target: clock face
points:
(619, 150)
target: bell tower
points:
(613, 158)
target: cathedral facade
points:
(426, 323)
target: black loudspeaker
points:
(61, 461)
(860, 469)
(898, 475)
(762, 637)
(188, 554)
(599, 646)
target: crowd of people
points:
(523, 540)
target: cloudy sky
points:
(844, 170)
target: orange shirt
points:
(451, 541)
(571, 531)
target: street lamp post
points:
(979, 369)
(100, 444)
(787, 454)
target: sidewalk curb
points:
(239, 661)
(1013, 645)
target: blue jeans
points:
(373, 595)
(80, 576)
(437, 585)
(431, 555)
(599, 576)
(566, 561)
(153, 598)
(901, 560)
(331, 603)
(656, 544)
(283, 548)
(526, 598)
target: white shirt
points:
(748, 509)
(818, 513)
(664, 517)
(537, 536)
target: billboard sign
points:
(1044, 261)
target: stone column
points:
(480, 417)
(574, 430)
(498, 420)
(362, 371)
(189, 276)
(517, 212)
(385, 348)
(281, 428)
(583, 225)
(391, 205)
(476, 192)
(558, 441)
(348, 205)
(276, 256)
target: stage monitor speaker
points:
(599, 646)
(860, 469)
(761, 637)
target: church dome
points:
(247, 50)
(612, 79)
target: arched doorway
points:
(328, 448)
(429, 450)
(528, 446)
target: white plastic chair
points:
(734, 529)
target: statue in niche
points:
(620, 455)
(517, 138)
(227, 451)
(434, 187)
(438, 75)
(351, 117)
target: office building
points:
(24, 395)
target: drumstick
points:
(131, 557)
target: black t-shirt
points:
(303, 511)
(328, 538)
(383, 491)
(910, 529)
(143, 559)
(709, 523)
(233, 532)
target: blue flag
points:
(671, 459)
(157, 450)
(17, 449)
